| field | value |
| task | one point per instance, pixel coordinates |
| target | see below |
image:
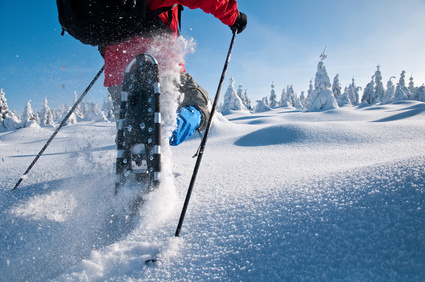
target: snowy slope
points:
(281, 195)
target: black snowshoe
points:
(139, 129)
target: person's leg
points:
(193, 112)
(115, 94)
(196, 96)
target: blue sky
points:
(282, 43)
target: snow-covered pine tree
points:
(379, 86)
(94, 114)
(2, 128)
(344, 99)
(401, 92)
(28, 117)
(78, 111)
(412, 89)
(12, 121)
(72, 118)
(8, 119)
(322, 97)
(357, 94)
(309, 93)
(240, 92)
(420, 92)
(108, 108)
(302, 98)
(57, 113)
(247, 101)
(273, 98)
(4, 108)
(295, 100)
(336, 87)
(244, 97)
(282, 97)
(262, 106)
(353, 92)
(232, 102)
(46, 116)
(291, 97)
(389, 93)
(369, 92)
(37, 117)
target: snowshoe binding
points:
(139, 128)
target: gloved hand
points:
(131, 3)
(240, 23)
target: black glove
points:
(240, 23)
(131, 3)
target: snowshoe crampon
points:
(139, 128)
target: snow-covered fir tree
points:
(246, 101)
(57, 113)
(4, 108)
(336, 87)
(72, 118)
(80, 109)
(379, 86)
(46, 116)
(244, 97)
(354, 92)
(37, 117)
(358, 92)
(302, 98)
(282, 97)
(240, 92)
(8, 119)
(350, 91)
(2, 128)
(401, 92)
(297, 102)
(108, 108)
(309, 93)
(289, 100)
(28, 117)
(262, 106)
(369, 92)
(322, 97)
(94, 114)
(273, 98)
(344, 98)
(232, 102)
(389, 93)
(420, 93)
(12, 121)
(412, 89)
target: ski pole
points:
(204, 140)
(59, 127)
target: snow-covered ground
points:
(281, 195)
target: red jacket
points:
(118, 56)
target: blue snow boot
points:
(188, 120)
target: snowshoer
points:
(193, 110)
(126, 33)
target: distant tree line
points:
(324, 95)
(47, 117)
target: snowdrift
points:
(281, 195)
